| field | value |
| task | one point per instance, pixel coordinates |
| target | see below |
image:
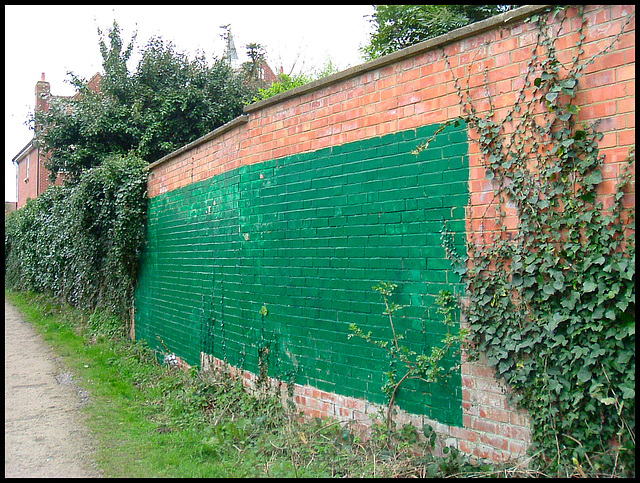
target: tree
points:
(400, 26)
(287, 82)
(167, 102)
(179, 100)
(114, 62)
(252, 69)
(284, 83)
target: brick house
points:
(33, 176)
(9, 206)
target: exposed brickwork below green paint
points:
(308, 236)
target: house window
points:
(28, 168)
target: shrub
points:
(80, 242)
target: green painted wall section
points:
(308, 236)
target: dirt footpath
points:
(43, 431)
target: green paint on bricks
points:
(307, 237)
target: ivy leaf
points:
(516, 280)
(594, 390)
(595, 177)
(588, 286)
(504, 366)
(554, 385)
(565, 116)
(627, 392)
(551, 96)
(460, 270)
(584, 374)
(622, 304)
(555, 321)
(574, 110)
(588, 197)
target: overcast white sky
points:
(58, 39)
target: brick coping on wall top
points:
(453, 36)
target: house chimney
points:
(42, 94)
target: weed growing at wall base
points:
(426, 368)
(154, 420)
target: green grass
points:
(151, 420)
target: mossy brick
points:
(455, 200)
(393, 205)
(347, 148)
(454, 150)
(353, 166)
(388, 195)
(456, 162)
(408, 135)
(326, 171)
(427, 131)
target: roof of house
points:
(23, 152)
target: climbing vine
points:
(550, 301)
(81, 242)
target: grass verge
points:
(153, 420)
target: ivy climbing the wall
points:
(551, 301)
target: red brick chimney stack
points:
(42, 94)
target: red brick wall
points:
(415, 88)
(28, 186)
(38, 180)
(418, 90)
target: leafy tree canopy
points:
(167, 102)
(287, 82)
(284, 83)
(400, 26)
